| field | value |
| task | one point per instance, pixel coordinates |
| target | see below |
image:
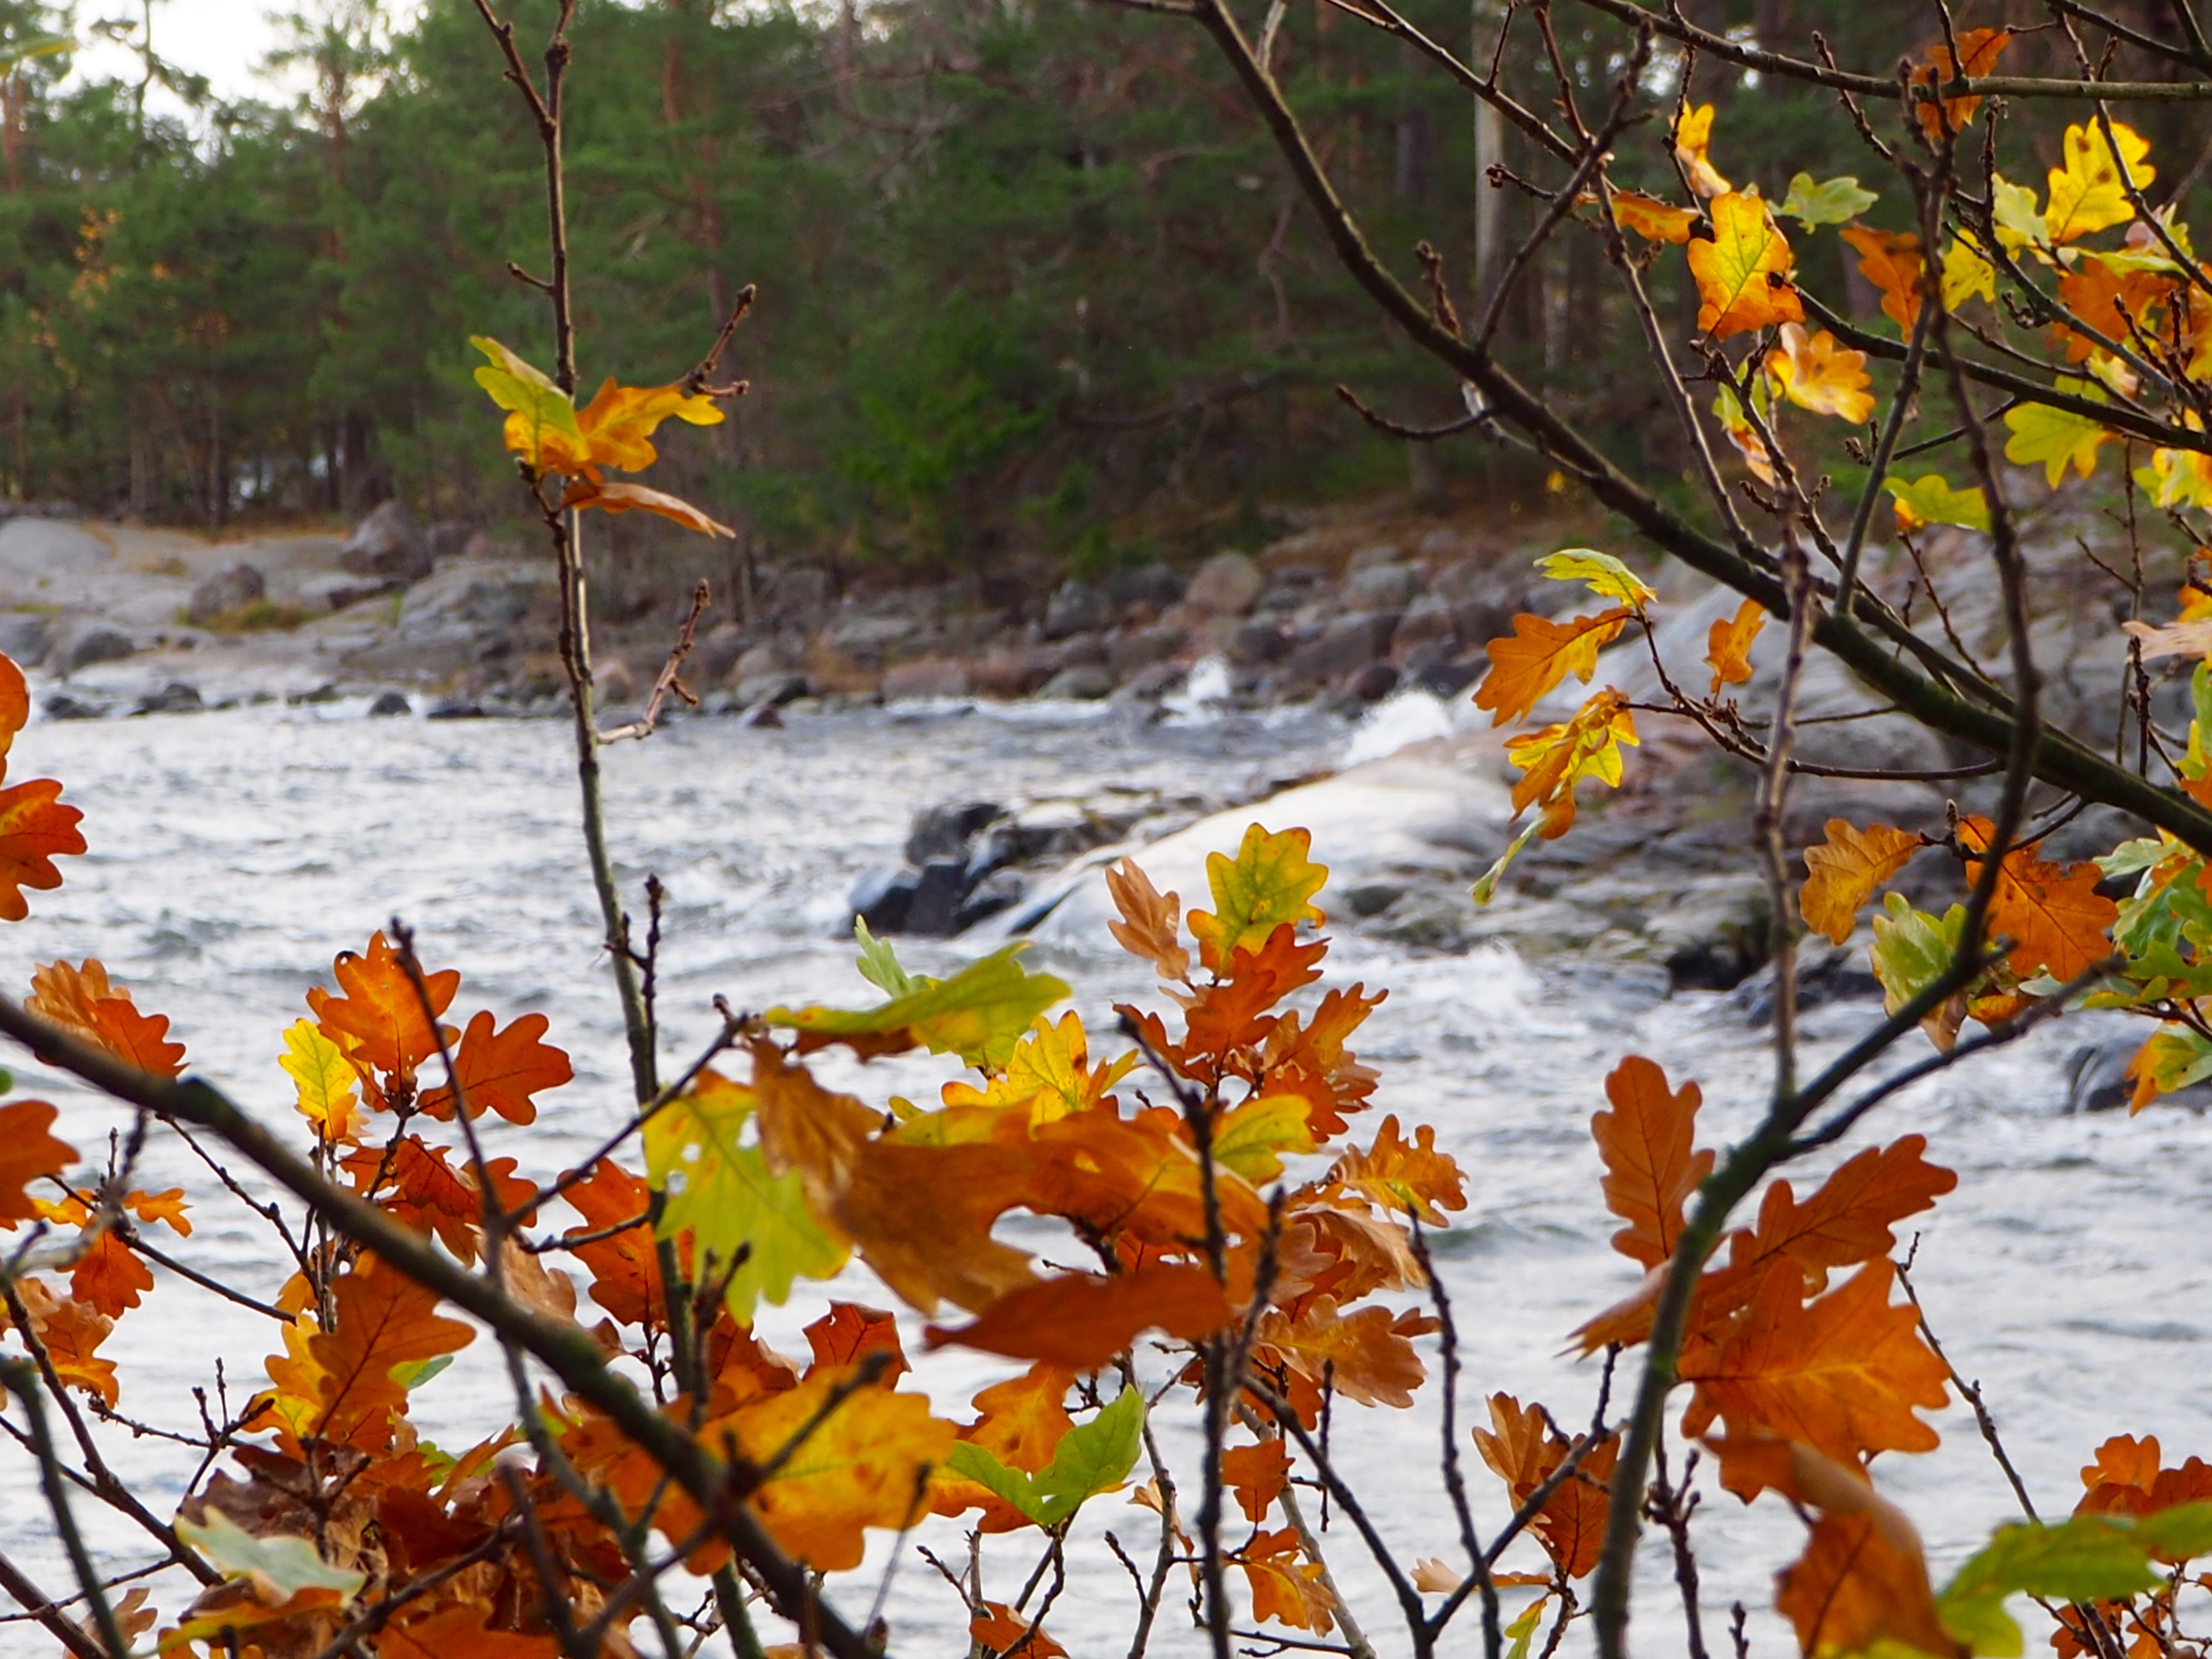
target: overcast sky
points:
(222, 39)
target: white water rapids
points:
(234, 853)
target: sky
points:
(223, 39)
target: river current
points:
(233, 854)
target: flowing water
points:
(235, 852)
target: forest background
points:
(1032, 281)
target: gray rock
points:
(776, 656)
(337, 592)
(1343, 646)
(1370, 558)
(60, 706)
(1151, 584)
(24, 637)
(389, 703)
(2098, 1081)
(934, 909)
(1142, 647)
(1152, 681)
(869, 636)
(387, 543)
(1257, 642)
(175, 698)
(762, 714)
(1445, 677)
(714, 656)
(1085, 681)
(1080, 649)
(1372, 898)
(82, 644)
(942, 831)
(1712, 935)
(456, 709)
(1381, 587)
(323, 693)
(1000, 891)
(1374, 682)
(1429, 621)
(450, 538)
(1226, 585)
(770, 690)
(881, 899)
(231, 588)
(937, 677)
(1076, 608)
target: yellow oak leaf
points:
(1743, 272)
(2088, 193)
(1817, 373)
(1843, 871)
(1270, 883)
(1694, 134)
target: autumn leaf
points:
(1021, 1424)
(15, 704)
(2192, 638)
(1832, 201)
(461, 1631)
(83, 1001)
(35, 830)
(1892, 261)
(1283, 1587)
(1743, 272)
(1817, 373)
(848, 1333)
(2059, 438)
(27, 1153)
(1966, 274)
(499, 1072)
(166, 1207)
(980, 1013)
(1148, 928)
(1367, 1355)
(1842, 872)
(324, 1081)
(636, 498)
(2058, 921)
(1552, 761)
(277, 1565)
(1399, 1175)
(1257, 1474)
(1651, 1168)
(619, 422)
(1652, 219)
(1090, 1458)
(1270, 883)
(1854, 1588)
(862, 1464)
(1930, 499)
(2115, 297)
(1521, 1448)
(2177, 478)
(380, 1011)
(1742, 437)
(107, 1277)
(346, 1389)
(1842, 1374)
(1978, 52)
(1000, 1633)
(1048, 1075)
(1911, 950)
(541, 424)
(1727, 645)
(1693, 133)
(1603, 574)
(2088, 193)
(1251, 1139)
(1849, 1217)
(1538, 655)
(1080, 1321)
(625, 1276)
(71, 1333)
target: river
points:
(233, 854)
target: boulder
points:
(24, 637)
(770, 656)
(1142, 647)
(869, 636)
(1227, 585)
(1381, 587)
(1151, 584)
(456, 709)
(1374, 557)
(881, 898)
(450, 539)
(82, 644)
(1085, 681)
(615, 680)
(1372, 898)
(934, 677)
(1076, 608)
(390, 703)
(945, 830)
(770, 690)
(1079, 650)
(339, 592)
(713, 655)
(177, 697)
(1008, 674)
(1343, 646)
(1000, 891)
(1257, 642)
(1153, 680)
(1428, 621)
(1445, 677)
(1374, 682)
(231, 588)
(938, 889)
(386, 544)
(60, 706)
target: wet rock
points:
(1076, 608)
(881, 899)
(1086, 682)
(934, 909)
(1428, 621)
(456, 709)
(933, 678)
(390, 703)
(1713, 934)
(60, 706)
(763, 714)
(1000, 891)
(2098, 1079)
(177, 697)
(1374, 682)
(1381, 587)
(1372, 898)
(1141, 648)
(944, 830)
(1445, 677)
(1014, 674)
(387, 543)
(231, 588)
(1343, 646)
(1226, 585)
(770, 690)
(1152, 681)
(867, 638)
(24, 637)
(1826, 974)
(325, 692)
(1081, 650)
(81, 645)
(1257, 642)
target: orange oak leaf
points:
(1851, 1217)
(998, 1632)
(2127, 1479)
(1257, 1474)
(1842, 872)
(1538, 655)
(168, 1208)
(383, 1319)
(1651, 1168)
(1398, 1175)
(27, 1153)
(625, 1273)
(1309, 1057)
(108, 1277)
(1136, 1176)
(1231, 1013)
(1149, 927)
(1742, 271)
(1367, 1355)
(741, 1367)
(2118, 300)
(862, 1464)
(499, 1072)
(423, 1189)
(462, 1630)
(35, 830)
(1891, 261)
(2058, 921)
(1283, 1587)
(1842, 1374)
(1521, 1448)
(1652, 219)
(1854, 1586)
(71, 1333)
(379, 1017)
(82, 1001)
(1978, 52)
(1081, 1321)
(1727, 644)
(636, 498)
(1816, 372)
(848, 1333)
(1021, 1424)
(15, 703)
